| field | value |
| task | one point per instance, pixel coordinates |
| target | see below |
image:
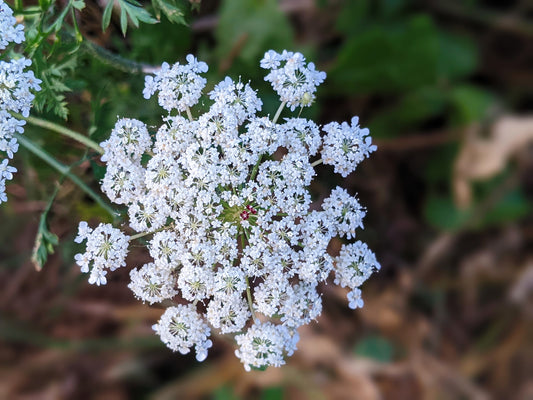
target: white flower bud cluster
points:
(224, 202)
(16, 87)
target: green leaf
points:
(441, 213)
(58, 23)
(78, 4)
(389, 58)
(129, 10)
(106, 18)
(247, 28)
(132, 10)
(471, 103)
(171, 10)
(375, 347)
(513, 206)
(272, 393)
(353, 16)
(411, 110)
(44, 4)
(457, 57)
(224, 393)
(51, 97)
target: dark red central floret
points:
(245, 214)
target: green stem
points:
(63, 131)
(142, 234)
(249, 298)
(278, 113)
(63, 169)
(255, 169)
(248, 290)
(317, 162)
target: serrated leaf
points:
(53, 74)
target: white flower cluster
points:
(223, 199)
(16, 87)
(293, 80)
(107, 247)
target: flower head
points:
(225, 196)
(293, 80)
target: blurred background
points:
(446, 88)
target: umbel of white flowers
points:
(16, 85)
(230, 222)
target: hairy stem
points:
(114, 60)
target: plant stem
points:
(142, 234)
(317, 162)
(63, 131)
(63, 169)
(278, 113)
(114, 60)
(249, 298)
(189, 114)
(255, 169)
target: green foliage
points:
(171, 9)
(395, 57)
(53, 51)
(272, 393)
(53, 75)
(389, 59)
(470, 103)
(45, 240)
(375, 347)
(130, 10)
(224, 393)
(247, 28)
(441, 212)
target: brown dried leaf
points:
(482, 158)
